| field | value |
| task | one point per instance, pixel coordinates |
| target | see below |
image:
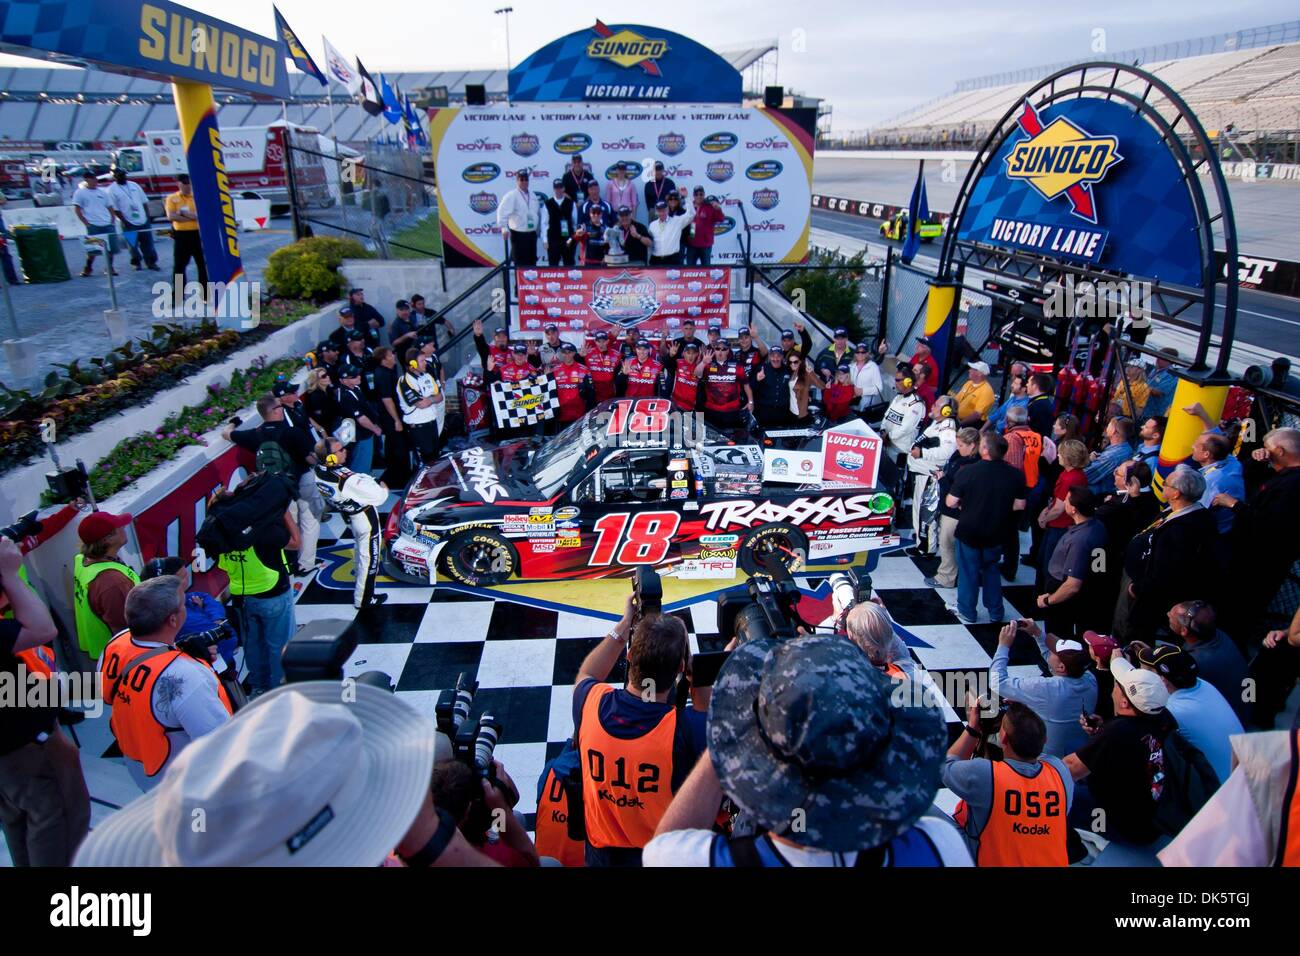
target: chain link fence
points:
(382, 197)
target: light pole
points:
(506, 11)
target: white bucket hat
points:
(298, 778)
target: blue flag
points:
(295, 51)
(392, 106)
(918, 211)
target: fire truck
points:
(254, 160)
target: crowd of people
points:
(1166, 624)
(581, 224)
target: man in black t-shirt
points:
(397, 451)
(44, 804)
(987, 495)
(1123, 765)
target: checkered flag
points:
(525, 403)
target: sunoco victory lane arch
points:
(170, 43)
(1085, 180)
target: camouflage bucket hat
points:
(805, 737)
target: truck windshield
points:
(551, 467)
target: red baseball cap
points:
(99, 525)
(1101, 644)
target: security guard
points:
(100, 582)
(162, 698)
(636, 747)
(1013, 811)
(357, 497)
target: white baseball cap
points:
(982, 367)
(1145, 689)
(300, 777)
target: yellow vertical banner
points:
(1183, 427)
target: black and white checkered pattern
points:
(525, 403)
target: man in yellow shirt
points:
(975, 398)
(184, 217)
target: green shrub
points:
(308, 268)
(832, 295)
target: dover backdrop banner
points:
(746, 156)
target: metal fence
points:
(383, 197)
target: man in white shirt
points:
(518, 215)
(666, 231)
(130, 206)
(95, 210)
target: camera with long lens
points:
(769, 608)
(25, 527)
(647, 594)
(473, 742)
(198, 645)
(850, 587)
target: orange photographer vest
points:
(1026, 825)
(553, 824)
(626, 784)
(141, 736)
(1288, 848)
(38, 660)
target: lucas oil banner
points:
(617, 299)
(756, 161)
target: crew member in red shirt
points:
(499, 349)
(726, 389)
(516, 368)
(750, 350)
(603, 363)
(837, 397)
(643, 375)
(707, 214)
(682, 373)
(573, 384)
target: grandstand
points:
(1245, 87)
(43, 107)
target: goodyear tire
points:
(479, 558)
(780, 538)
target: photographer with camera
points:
(162, 697)
(44, 804)
(1058, 699)
(637, 745)
(204, 614)
(1012, 810)
(482, 809)
(805, 738)
(869, 627)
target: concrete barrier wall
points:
(21, 488)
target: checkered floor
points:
(526, 657)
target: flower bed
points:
(79, 397)
(140, 454)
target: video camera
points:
(25, 527)
(769, 609)
(473, 742)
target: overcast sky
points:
(870, 60)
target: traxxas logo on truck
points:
(1061, 158)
